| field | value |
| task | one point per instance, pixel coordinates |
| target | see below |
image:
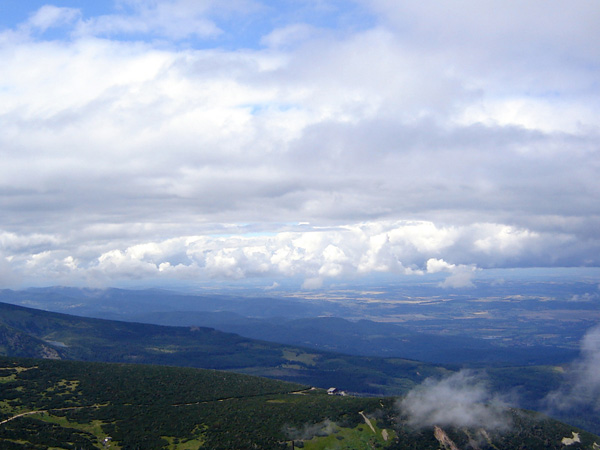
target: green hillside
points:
(76, 405)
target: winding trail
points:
(47, 411)
(20, 415)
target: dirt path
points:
(367, 421)
(20, 415)
(48, 411)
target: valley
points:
(513, 322)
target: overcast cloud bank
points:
(205, 139)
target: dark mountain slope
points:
(113, 341)
(18, 343)
(364, 337)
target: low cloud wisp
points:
(460, 400)
(310, 430)
(581, 388)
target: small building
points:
(336, 391)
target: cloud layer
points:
(299, 251)
(192, 139)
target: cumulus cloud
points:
(460, 400)
(316, 255)
(581, 388)
(460, 276)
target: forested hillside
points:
(79, 338)
(75, 405)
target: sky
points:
(167, 141)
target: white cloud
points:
(505, 239)
(461, 276)
(312, 283)
(289, 35)
(175, 19)
(313, 254)
(460, 400)
(50, 16)
(521, 59)
(470, 147)
(581, 389)
(8, 277)
(439, 265)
